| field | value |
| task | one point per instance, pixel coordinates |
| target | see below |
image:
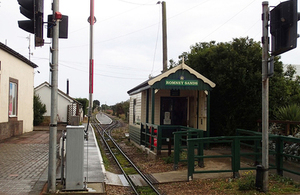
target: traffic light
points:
(34, 11)
(283, 27)
(63, 27)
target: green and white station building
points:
(172, 101)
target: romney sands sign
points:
(182, 82)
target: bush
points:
(289, 113)
(247, 181)
(39, 110)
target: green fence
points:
(160, 137)
(180, 145)
(277, 153)
(134, 133)
(150, 134)
(252, 143)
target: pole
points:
(53, 119)
(91, 62)
(265, 97)
(29, 46)
(164, 28)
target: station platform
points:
(24, 164)
(103, 119)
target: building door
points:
(173, 111)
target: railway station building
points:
(176, 100)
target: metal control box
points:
(74, 158)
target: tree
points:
(85, 103)
(284, 89)
(105, 107)
(39, 110)
(96, 104)
(121, 108)
(235, 67)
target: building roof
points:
(178, 73)
(17, 55)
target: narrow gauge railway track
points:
(113, 147)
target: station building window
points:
(13, 98)
(134, 110)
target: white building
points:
(67, 109)
(16, 93)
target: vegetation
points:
(39, 110)
(245, 185)
(121, 110)
(85, 103)
(235, 67)
(105, 107)
(247, 182)
(96, 104)
(290, 112)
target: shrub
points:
(290, 113)
(39, 110)
(247, 181)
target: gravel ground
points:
(149, 165)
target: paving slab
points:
(93, 163)
(23, 160)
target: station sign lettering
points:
(182, 82)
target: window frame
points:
(134, 111)
(13, 104)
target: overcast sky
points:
(127, 39)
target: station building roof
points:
(180, 77)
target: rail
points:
(106, 132)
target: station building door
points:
(173, 111)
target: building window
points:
(134, 110)
(13, 98)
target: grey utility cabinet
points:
(74, 158)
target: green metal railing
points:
(280, 155)
(252, 141)
(278, 152)
(254, 145)
(150, 134)
(180, 145)
(234, 156)
(156, 136)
